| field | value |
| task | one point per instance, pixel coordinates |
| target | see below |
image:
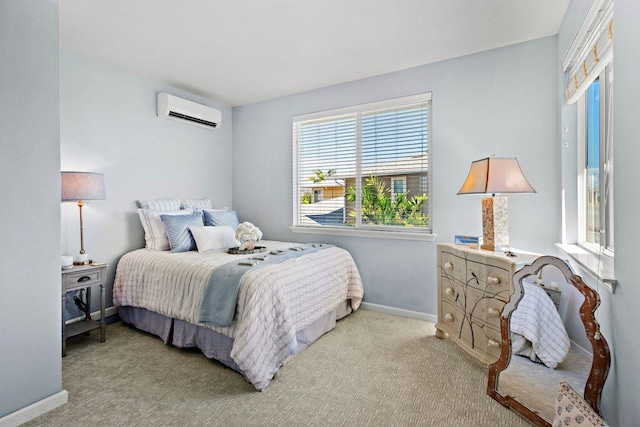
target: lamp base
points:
(495, 224)
(81, 259)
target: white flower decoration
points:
(247, 232)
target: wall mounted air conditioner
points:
(172, 107)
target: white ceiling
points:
(243, 51)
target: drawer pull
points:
(84, 279)
(493, 280)
(493, 312)
(448, 266)
(493, 343)
(448, 291)
(448, 317)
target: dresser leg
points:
(440, 334)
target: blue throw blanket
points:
(221, 293)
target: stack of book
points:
(468, 240)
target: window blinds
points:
(337, 151)
(590, 51)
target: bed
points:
(281, 306)
(537, 330)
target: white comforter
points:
(539, 331)
(273, 303)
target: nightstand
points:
(83, 277)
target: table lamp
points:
(78, 187)
(495, 175)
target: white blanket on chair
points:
(541, 335)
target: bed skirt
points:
(213, 344)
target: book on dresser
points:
(473, 287)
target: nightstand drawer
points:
(82, 279)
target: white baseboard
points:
(399, 312)
(34, 410)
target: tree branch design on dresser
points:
(473, 287)
(469, 316)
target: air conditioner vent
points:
(172, 107)
(192, 119)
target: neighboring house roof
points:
(405, 166)
(328, 183)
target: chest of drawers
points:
(473, 287)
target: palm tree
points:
(378, 208)
(320, 176)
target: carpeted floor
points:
(372, 369)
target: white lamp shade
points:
(495, 175)
(82, 186)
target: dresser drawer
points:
(485, 307)
(473, 272)
(82, 279)
(486, 276)
(451, 317)
(452, 267)
(478, 338)
(488, 341)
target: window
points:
(372, 163)
(595, 155)
(398, 186)
(589, 76)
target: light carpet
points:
(372, 369)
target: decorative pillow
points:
(196, 204)
(180, 238)
(573, 410)
(216, 217)
(210, 238)
(155, 234)
(160, 204)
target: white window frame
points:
(362, 230)
(606, 246)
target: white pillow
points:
(155, 233)
(209, 238)
(197, 204)
(160, 204)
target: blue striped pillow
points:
(177, 226)
(216, 217)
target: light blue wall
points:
(626, 128)
(618, 313)
(626, 316)
(501, 102)
(30, 350)
(626, 150)
(109, 125)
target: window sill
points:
(347, 231)
(599, 267)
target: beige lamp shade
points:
(82, 186)
(496, 175)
